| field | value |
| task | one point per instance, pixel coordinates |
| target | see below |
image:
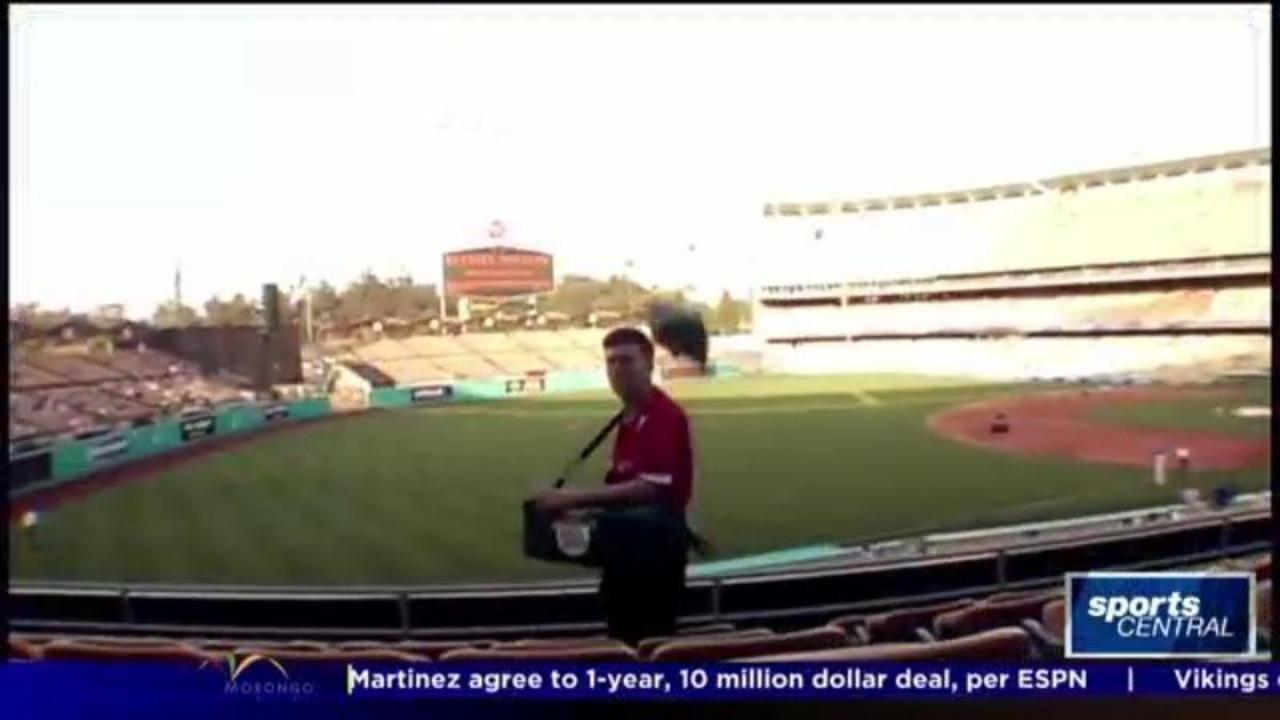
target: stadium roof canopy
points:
(1114, 176)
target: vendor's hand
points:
(552, 502)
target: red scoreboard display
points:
(497, 271)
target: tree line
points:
(372, 298)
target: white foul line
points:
(866, 398)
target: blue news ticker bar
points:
(59, 688)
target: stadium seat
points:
(517, 362)
(23, 650)
(226, 645)
(1006, 597)
(998, 644)
(431, 649)
(554, 643)
(697, 649)
(429, 345)
(707, 629)
(75, 650)
(1048, 631)
(990, 614)
(648, 645)
(1054, 618)
(435, 648)
(223, 645)
(76, 368)
(346, 656)
(332, 655)
(895, 625)
(36, 639)
(600, 653)
(124, 640)
(28, 376)
(362, 645)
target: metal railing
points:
(777, 596)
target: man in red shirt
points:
(652, 466)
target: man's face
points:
(629, 371)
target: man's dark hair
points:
(629, 336)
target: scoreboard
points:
(497, 271)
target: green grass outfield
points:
(432, 495)
(1210, 413)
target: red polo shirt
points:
(655, 446)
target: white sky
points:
(258, 144)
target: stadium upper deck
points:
(1202, 207)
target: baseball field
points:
(431, 495)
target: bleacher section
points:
(430, 345)
(26, 376)
(464, 366)
(143, 364)
(1099, 312)
(385, 349)
(518, 362)
(58, 393)
(1026, 357)
(478, 355)
(484, 343)
(1237, 306)
(74, 368)
(1163, 265)
(1194, 207)
(413, 370)
(1150, 220)
(1025, 625)
(1085, 332)
(39, 414)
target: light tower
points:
(302, 287)
(177, 285)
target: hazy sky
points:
(258, 144)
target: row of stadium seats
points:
(1093, 276)
(79, 403)
(1004, 643)
(34, 371)
(479, 355)
(1198, 213)
(430, 346)
(1148, 309)
(1021, 357)
(1155, 310)
(75, 368)
(52, 394)
(1221, 212)
(22, 375)
(1004, 626)
(1241, 305)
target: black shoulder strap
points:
(600, 436)
(591, 446)
(696, 541)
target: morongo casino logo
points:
(235, 668)
(238, 683)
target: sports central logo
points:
(1134, 614)
(1168, 615)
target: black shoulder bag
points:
(631, 534)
